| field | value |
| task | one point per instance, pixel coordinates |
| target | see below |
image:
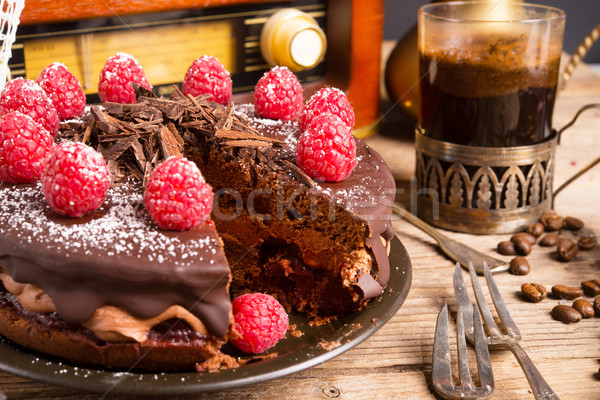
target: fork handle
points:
(541, 389)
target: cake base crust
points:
(171, 346)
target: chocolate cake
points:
(111, 289)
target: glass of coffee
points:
(488, 71)
(485, 144)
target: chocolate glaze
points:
(117, 256)
(114, 256)
(369, 192)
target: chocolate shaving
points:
(86, 134)
(170, 109)
(113, 167)
(135, 170)
(119, 136)
(105, 122)
(168, 143)
(225, 120)
(149, 168)
(138, 152)
(298, 173)
(175, 134)
(115, 151)
(141, 91)
(114, 108)
(135, 138)
(148, 126)
(150, 147)
(246, 143)
(235, 135)
(197, 100)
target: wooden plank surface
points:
(396, 361)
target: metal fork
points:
(495, 337)
(457, 251)
(441, 373)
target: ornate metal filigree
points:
(483, 189)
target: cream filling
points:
(107, 322)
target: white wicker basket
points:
(10, 11)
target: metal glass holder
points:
(488, 190)
(483, 190)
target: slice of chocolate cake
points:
(114, 284)
(317, 247)
(100, 289)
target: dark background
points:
(582, 16)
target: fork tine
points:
(484, 362)
(484, 309)
(441, 371)
(463, 359)
(462, 298)
(501, 308)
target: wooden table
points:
(396, 361)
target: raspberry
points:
(278, 95)
(24, 147)
(75, 179)
(207, 75)
(260, 320)
(116, 77)
(326, 150)
(176, 195)
(64, 90)
(327, 100)
(27, 97)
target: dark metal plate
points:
(316, 345)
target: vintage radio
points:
(335, 42)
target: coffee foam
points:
(490, 65)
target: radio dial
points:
(292, 38)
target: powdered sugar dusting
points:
(275, 128)
(122, 228)
(367, 190)
(370, 188)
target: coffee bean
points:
(507, 248)
(591, 288)
(586, 243)
(567, 249)
(551, 221)
(519, 266)
(536, 229)
(518, 237)
(566, 292)
(597, 306)
(549, 240)
(522, 246)
(546, 215)
(572, 223)
(566, 314)
(533, 292)
(584, 307)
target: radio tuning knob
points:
(292, 38)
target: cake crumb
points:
(223, 361)
(294, 331)
(217, 363)
(329, 345)
(258, 358)
(318, 321)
